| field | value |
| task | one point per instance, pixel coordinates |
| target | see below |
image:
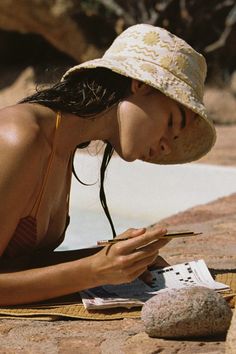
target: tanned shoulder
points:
(20, 146)
(20, 160)
(18, 128)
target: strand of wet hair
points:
(105, 161)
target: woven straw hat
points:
(160, 59)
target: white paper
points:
(194, 273)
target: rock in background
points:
(84, 29)
(23, 86)
(53, 20)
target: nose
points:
(165, 146)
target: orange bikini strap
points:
(58, 119)
(39, 198)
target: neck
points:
(78, 130)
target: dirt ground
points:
(217, 246)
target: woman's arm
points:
(116, 264)
(39, 284)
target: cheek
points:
(134, 121)
(133, 130)
(140, 129)
(129, 145)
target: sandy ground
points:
(224, 151)
(217, 246)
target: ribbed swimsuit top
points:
(24, 239)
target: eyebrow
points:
(183, 117)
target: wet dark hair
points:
(86, 94)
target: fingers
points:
(141, 253)
(132, 233)
(142, 269)
(159, 262)
(140, 266)
(127, 234)
(137, 273)
(124, 261)
(127, 268)
(146, 277)
(156, 243)
(142, 240)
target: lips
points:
(152, 153)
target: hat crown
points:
(156, 46)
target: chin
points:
(130, 159)
(127, 157)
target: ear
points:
(139, 86)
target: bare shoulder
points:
(19, 127)
(24, 150)
(19, 151)
(21, 145)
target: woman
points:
(144, 100)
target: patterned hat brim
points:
(198, 138)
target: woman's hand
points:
(159, 262)
(124, 261)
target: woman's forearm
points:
(45, 283)
(120, 263)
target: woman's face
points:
(148, 121)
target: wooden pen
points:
(169, 235)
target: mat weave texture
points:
(71, 306)
(229, 279)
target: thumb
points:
(146, 277)
(159, 263)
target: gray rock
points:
(188, 312)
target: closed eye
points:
(182, 122)
(183, 117)
(170, 121)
